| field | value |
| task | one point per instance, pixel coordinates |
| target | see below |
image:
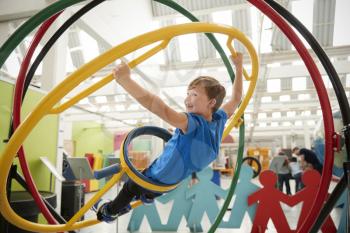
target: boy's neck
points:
(208, 117)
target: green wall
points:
(42, 141)
(90, 137)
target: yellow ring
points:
(61, 90)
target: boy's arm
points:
(148, 100)
(237, 87)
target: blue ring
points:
(145, 130)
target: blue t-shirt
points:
(189, 152)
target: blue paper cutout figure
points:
(204, 199)
(240, 206)
(345, 203)
(148, 211)
(181, 206)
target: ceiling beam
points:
(265, 58)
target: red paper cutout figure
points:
(311, 181)
(269, 207)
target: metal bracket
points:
(336, 142)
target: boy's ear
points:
(212, 102)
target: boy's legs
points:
(129, 191)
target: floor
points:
(121, 224)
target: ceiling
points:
(285, 105)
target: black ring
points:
(145, 130)
(256, 172)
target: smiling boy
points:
(196, 141)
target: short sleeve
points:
(192, 123)
(221, 114)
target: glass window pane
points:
(284, 98)
(222, 17)
(89, 44)
(342, 18)
(266, 99)
(299, 83)
(273, 85)
(276, 114)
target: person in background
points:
(296, 172)
(308, 159)
(279, 166)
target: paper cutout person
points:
(150, 212)
(204, 199)
(269, 207)
(181, 206)
(311, 180)
(240, 206)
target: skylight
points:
(69, 63)
(188, 44)
(222, 17)
(90, 45)
(303, 11)
(341, 35)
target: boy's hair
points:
(212, 87)
(293, 159)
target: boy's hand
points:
(238, 60)
(121, 72)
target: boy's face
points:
(197, 101)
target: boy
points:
(195, 143)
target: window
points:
(342, 17)
(69, 63)
(299, 84)
(188, 44)
(89, 46)
(347, 82)
(303, 96)
(119, 107)
(276, 115)
(306, 113)
(273, 85)
(222, 17)
(262, 115)
(105, 108)
(326, 81)
(291, 114)
(286, 123)
(303, 10)
(311, 123)
(262, 124)
(274, 124)
(266, 99)
(298, 123)
(284, 98)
